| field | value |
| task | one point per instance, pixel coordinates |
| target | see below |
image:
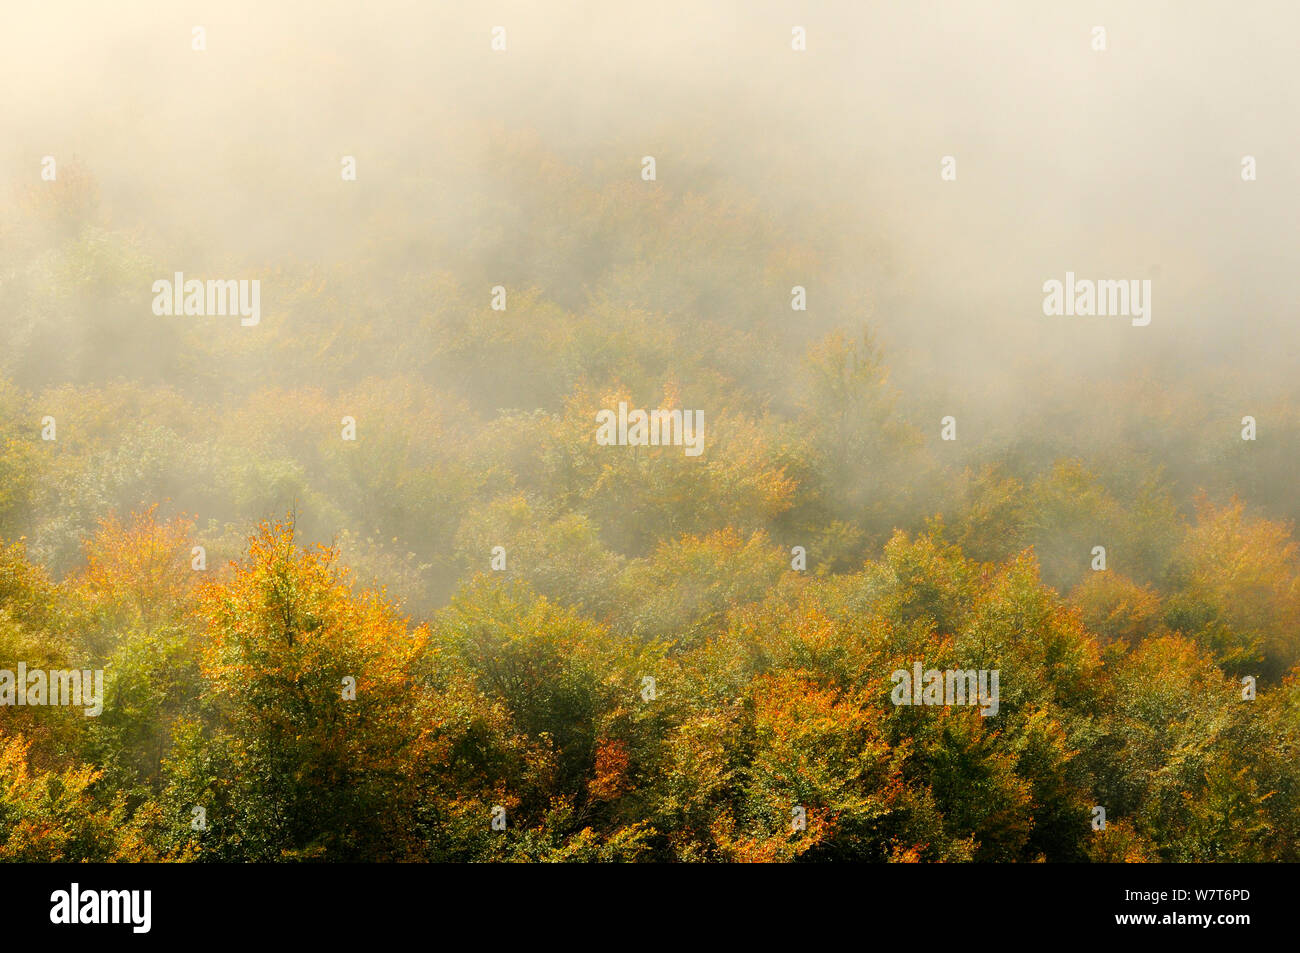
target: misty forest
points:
(363, 583)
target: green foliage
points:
(525, 691)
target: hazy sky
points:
(1115, 164)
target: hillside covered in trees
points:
(474, 633)
(523, 688)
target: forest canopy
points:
(366, 582)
